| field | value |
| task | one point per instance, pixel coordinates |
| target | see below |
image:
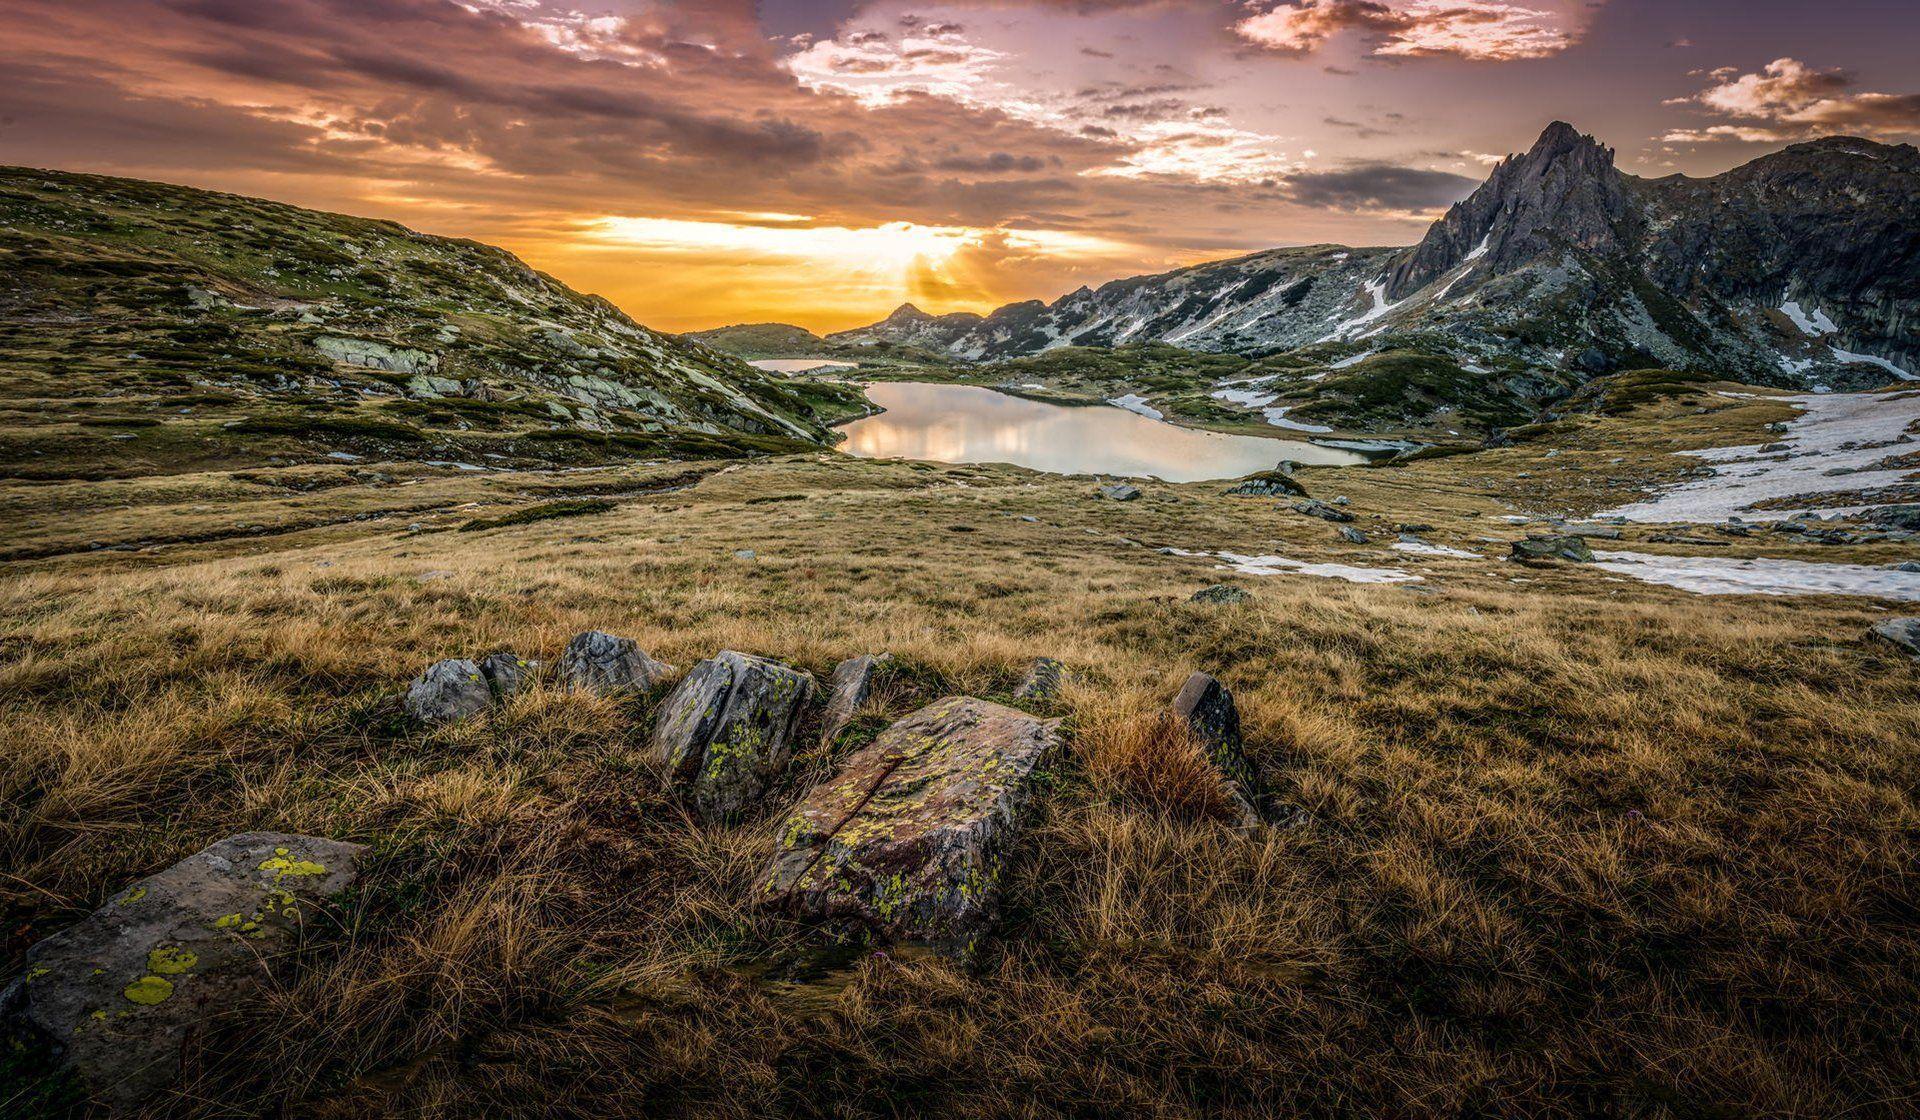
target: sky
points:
(818, 162)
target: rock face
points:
(121, 994)
(852, 684)
(1042, 681)
(509, 674)
(603, 664)
(908, 840)
(1553, 548)
(727, 729)
(1902, 632)
(1205, 706)
(1219, 593)
(449, 690)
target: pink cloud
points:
(1789, 100)
(1479, 30)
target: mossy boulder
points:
(120, 998)
(608, 665)
(909, 839)
(727, 730)
(449, 690)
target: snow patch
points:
(1813, 325)
(1278, 418)
(1281, 565)
(1377, 290)
(1872, 360)
(1346, 363)
(1422, 548)
(1725, 575)
(1134, 402)
(1479, 250)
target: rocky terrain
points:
(1799, 269)
(151, 328)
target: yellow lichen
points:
(283, 865)
(171, 961)
(149, 990)
(133, 896)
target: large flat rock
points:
(727, 729)
(120, 996)
(609, 665)
(909, 838)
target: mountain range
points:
(1800, 268)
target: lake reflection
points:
(968, 424)
(797, 365)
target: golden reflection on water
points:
(968, 424)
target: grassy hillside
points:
(1564, 844)
(147, 328)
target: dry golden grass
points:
(1567, 847)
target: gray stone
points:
(1313, 507)
(509, 674)
(1270, 484)
(909, 839)
(603, 664)
(1553, 548)
(1902, 632)
(1219, 593)
(449, 690)
(852, 686)
(121, 996)
(1895, 517)
(1206, 707)
(745, 554)
(1907, 566)
(727, 729)
(1120, 492)
(1042, 681)
(1352, 535)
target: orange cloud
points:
(1789, 100)
(1480, 30)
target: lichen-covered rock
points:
(1902, 632)
(1219, 593)
(1120, 492)
(447, 691)
(908, 840)
(852, 685)
(1270, 484)
(118, 997)
(509, 674)
(727, 729)
(604, 664)
(1314, 507)
(1553, 548)
(1206, 707)
(1043, 680)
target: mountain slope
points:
(1800, 268)
(147, 328)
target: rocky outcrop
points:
(853, 681)
(601, 663)
(1903, 633)
(120, 997)
(727, 730)
(449, 690)
(909, 839)
(1269, 484)
(1314, 507)
(369, 354)
(1552, 548)
(1207, 709)
(1220, 593)
(1120, 492)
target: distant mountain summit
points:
(1801, 268)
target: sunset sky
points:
(820, 161)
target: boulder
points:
(1313, 507)
(1553, 548)
(1219, 593)
(1352, 535)
(119, 997)
(909, 839)
(727, 729)
(1270, 484)
(1902, 632)
(852, 685)
(1042, 681)
(1120, 492)
(449, 690)
(603, 664)
(509, 674)
(1207, 708)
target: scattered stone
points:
(1042, 681)
(1220, 593)
(1341, 500)
(1902, 632)
(1414, 527)
(909, 839)
(1683, 538)
(1030, 519)
(1270, 484)
(745, 554)
(1205, 706)
(1313, 507)
(509, 674)
(1907, 566)
(1895, 517)
(852, 685)
(1352, 535)
(726, 730)
(1120, 492)
(603, 664)
(1553, 548)
(449, 690)
(120, 997)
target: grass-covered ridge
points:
(214, 330)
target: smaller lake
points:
(798, 365)
(968, 424)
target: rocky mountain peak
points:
(907, 313)
(1564, 191)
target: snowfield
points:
(1834, 431)
(1725, 575)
